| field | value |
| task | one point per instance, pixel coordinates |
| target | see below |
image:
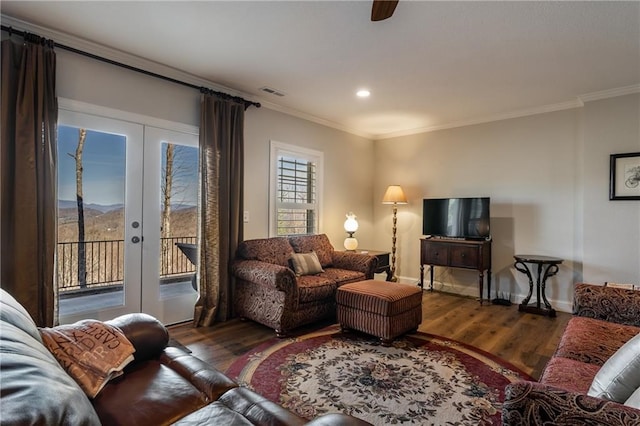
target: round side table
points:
(550, 267)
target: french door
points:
(127, 204)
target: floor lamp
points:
(394, 195)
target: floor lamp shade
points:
(394, 195)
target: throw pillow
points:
(619, 377)
(634, 400)
(306, 263)
(90, 351)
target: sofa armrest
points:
(271, 275)
(531, 403)
(607, 303)
(361, 262)
(147, 335)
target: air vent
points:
(272, 91)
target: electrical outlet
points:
(246, 216)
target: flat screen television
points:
(466, 218)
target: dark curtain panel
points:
(28, 176)
(221, 198)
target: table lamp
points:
(351, 226)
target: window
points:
(296, 182)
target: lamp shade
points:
(351, 224)
(394, 195)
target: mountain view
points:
(105, 223)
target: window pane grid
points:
(296, 221)
(296, 180)
(296, 196)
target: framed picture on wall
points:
(624, 180)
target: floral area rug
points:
(420, 379)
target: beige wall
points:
(547, 176)
(611, 229)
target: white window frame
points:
(277, 149)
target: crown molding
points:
(611, 93)
(577, 103)
(314, 119)
(487, 119)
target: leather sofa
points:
(163, 385)
(268, 291)
(605, 318)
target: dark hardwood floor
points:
(525, 340)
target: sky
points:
(103, 160)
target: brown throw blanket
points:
(91, 352)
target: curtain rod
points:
(202, 89)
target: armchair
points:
(268, 290)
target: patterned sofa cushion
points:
(319, 243)
(276, 250)
(569, 374)
(343, 276)
(607, 303)
(315, 287)
(593, 341)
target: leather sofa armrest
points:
(147, 335)
(361, 262)
(337, 419)
(271, 275)
(531, 403)
(607, 303)
(204, 377)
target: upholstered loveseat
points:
(605, 319)
(269, 291)
(162, 385)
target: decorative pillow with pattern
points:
(306, 263)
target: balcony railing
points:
(105, 263)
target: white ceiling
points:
(432, 65)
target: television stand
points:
(455, 253)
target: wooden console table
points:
(457, 254)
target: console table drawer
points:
(463, 256)
(437, 254)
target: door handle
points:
(135, 240)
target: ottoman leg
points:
(386, 342)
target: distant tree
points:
(166, 190)
(174, 184)
(82, 256)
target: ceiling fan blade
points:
(383, 9)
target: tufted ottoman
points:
(383, 309)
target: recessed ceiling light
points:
(363, 93)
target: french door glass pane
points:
(91, 198)
(178, 219)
